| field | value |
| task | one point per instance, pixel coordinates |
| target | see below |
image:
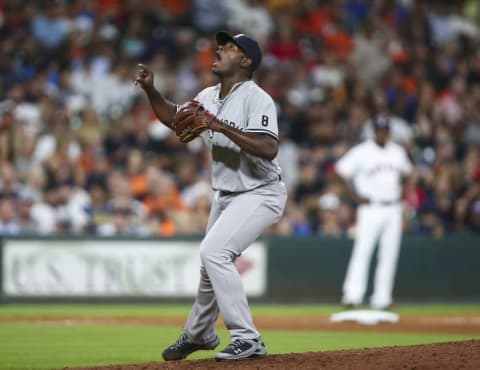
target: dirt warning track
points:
(467, 324)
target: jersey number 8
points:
(264, 121)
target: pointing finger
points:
(143, 67)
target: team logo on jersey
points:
(382, 167)
(227, 122)
(233, 124)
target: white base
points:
(366, 317)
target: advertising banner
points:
(115, 268)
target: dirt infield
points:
(448, 356)
(465, 324)
(455, 355)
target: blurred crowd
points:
(81, 151)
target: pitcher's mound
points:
(453, 355)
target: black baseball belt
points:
(384, 202)
(224, 193)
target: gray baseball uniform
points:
(249, 198)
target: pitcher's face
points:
(229, 58)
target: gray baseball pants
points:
(236, 220)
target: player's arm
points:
(258, 144)
(347, 185)
(406, 172)
(404, 181)
(259, 140)
(261, 136)
(163, 109)
(345, 170)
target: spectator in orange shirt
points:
(162, 201)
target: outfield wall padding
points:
(429, 269)
(303, 270)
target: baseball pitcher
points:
(238, 122)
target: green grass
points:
(42, 346)
(94, 310)
(152, 310)
(47, 346)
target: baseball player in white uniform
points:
(249, 197)
(374, 170)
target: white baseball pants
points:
(382, 223)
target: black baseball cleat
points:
(241, 349)
(184, 346)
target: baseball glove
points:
(191, 120)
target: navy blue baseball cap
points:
(380, 122)
(248, 45)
